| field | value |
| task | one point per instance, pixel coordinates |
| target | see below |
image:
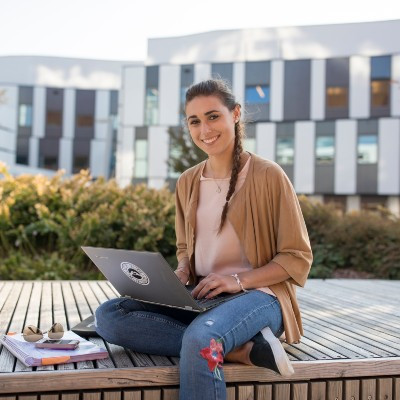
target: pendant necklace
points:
(218, 190)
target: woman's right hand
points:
(183, 275)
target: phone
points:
(58, 344)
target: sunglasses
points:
(32, 334)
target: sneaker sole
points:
(281, 358)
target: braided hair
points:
(220, 88)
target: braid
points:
(237, 151)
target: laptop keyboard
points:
(206, 302)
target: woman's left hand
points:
(214, 284)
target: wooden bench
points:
(351, 348)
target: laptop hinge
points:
(188, 308)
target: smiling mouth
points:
(211, 140)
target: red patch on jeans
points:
(213, 355)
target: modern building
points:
(322, 101)
(59, 113)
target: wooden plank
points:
(7, 360)
(263, 392)
(170, 394)
(152, 394)
(28, 397)
(351, 389)
(9, 306)
(132, 395)
(32, 318)
(338, 324)
(368, 389)
(304, 352)
(60, 317)
(396, 386)
(49, 397)
(384, 389)
(300, 391)
(69, 396)
(112, 395)
(46, 316)
(92, 396)
(322, 349)
(318, 390)
(281, 391)
(73, 318)
(161, 376)
(334, 390)
(8, 398)
(230, 393)
(361, 310)
(245, 392)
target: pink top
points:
(221, 254)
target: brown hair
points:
(220, 88)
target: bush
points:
(44, 221)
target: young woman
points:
(239, 227)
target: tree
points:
(184, 153)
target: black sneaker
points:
(268, 352)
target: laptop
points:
(147, 276)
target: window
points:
(84, 120)
(54, 118)
(141, 158)
(80, 162)
(367, 149)
(174, 152)
(151, 106)
(380, 81)
(336, 96)
(285, 150)
(25, 115)
(325, 149)
(49, 163)
(258, 94)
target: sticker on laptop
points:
(133, 272)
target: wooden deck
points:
(351, 348)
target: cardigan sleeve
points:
(181, 245)
(292, 242)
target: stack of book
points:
(32, 356)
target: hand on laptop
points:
(214, 284)
(182, 275)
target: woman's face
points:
(211, 124)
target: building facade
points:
(59, 113)
(322, 101)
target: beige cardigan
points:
(266, 216)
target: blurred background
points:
(100, 85)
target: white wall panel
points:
(66, 150)
(360, 72)
(238, 83)
(202, 71)
(265, 140)
(7, 158)
(169, 85)
(389, 156)
(125, 155)
(346, 157)
(102, 114)
(98, 158)
(318, 89)
(395, 89)
(158, 142)
(33, 152)
(133, 94)
(304, 144)
(69, 113)
(277, 88)
(8, 123)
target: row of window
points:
(297, 82)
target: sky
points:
(119, 29)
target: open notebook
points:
(31, 356)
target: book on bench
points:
(32, 356)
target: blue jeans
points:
(153, 329)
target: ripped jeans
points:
(153, 329)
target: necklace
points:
(218, 190)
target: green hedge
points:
(44, 221)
